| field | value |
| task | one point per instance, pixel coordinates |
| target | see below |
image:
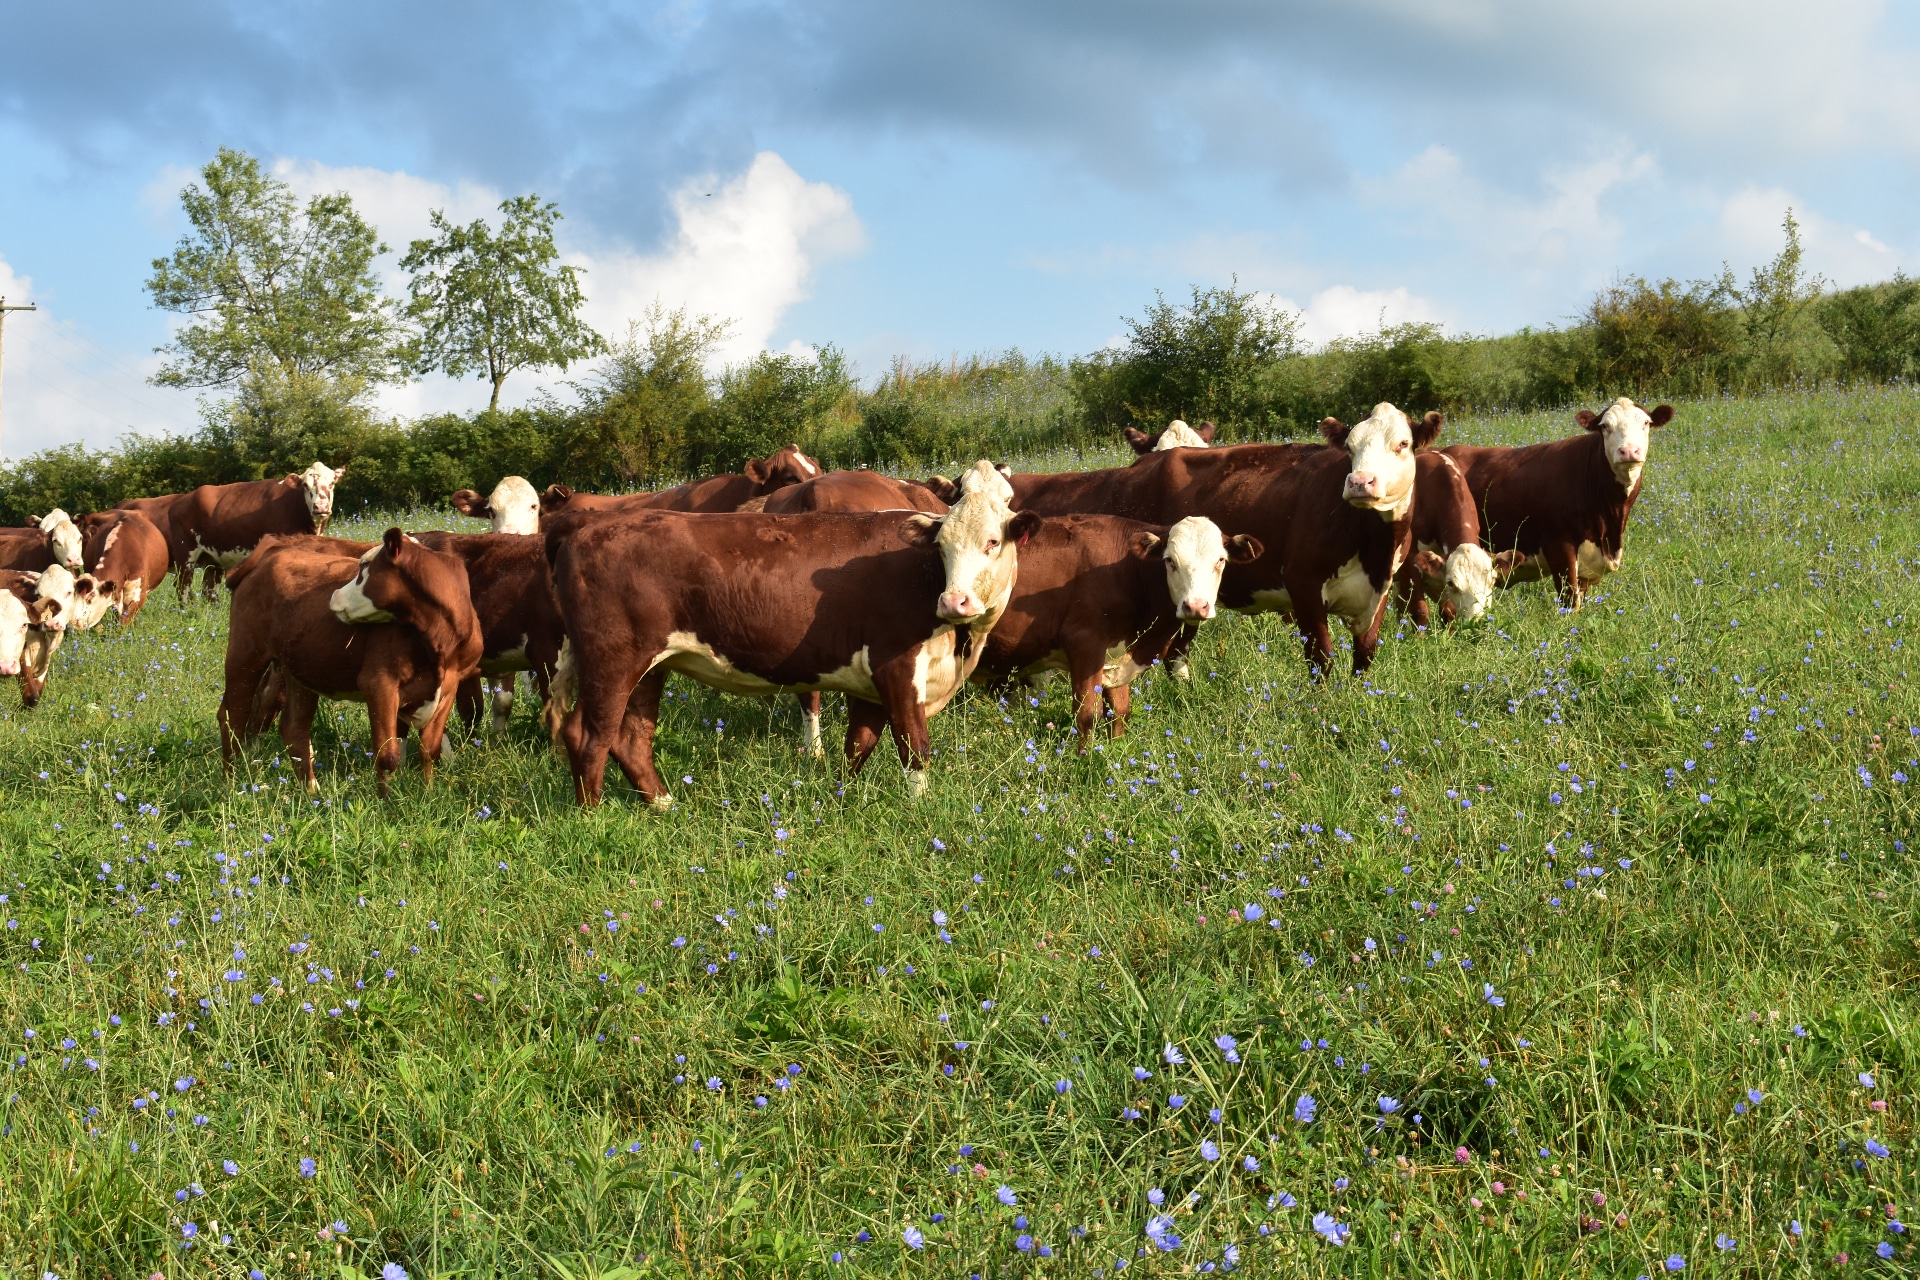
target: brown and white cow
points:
(512, 507)
(394, 629)
(26, 643)
(1175, 435)
(1334, 518)
(1448, 564)
(761, 477)
(892, 608)
(50, 539)
(218, 525)
(849, 491)
(1564, 504)
(127, 558)
(520, 624)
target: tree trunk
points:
(493, 405)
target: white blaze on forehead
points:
(1179, 435)
(1196, 556)
(63, 537)
(13, 633)
(1469, 581)
(1626, 426)
(806, 467)
(984, 477)
(515, 506)
(350, 603)
(1381, 445)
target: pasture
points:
(1560, 945)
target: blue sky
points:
(929, 180)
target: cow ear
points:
(1427, 430)
(469, 503)
(1022, 527)
(920, 529)
(1205, 431)
(1006, 472)
(83, 587)
(1243, 548)
(39, 611)
(942, 488)
(339, 474)
(755, 471)
(1144, 544)
(1588, 420)
(1142, 442)
(293, 480)
(1661, 415)
(555, 497)
(1505, 562)
(1334, 430)
(392, 541)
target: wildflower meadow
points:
(1559, 945)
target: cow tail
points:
(562, 690)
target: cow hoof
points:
(1181, 671)
(916, 783)
(662, 801)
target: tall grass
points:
(1672, 833)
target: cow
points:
(1448, 564)
(53, 597)
(1175, 435)
(1564, 504)
(714, 494)
(519, 621)
(890, 607)
(218, 525)
(24, 643)
(127, 558)
(1334, 518)
(512, 507)
(51, 539)
(1101, 597)
(394, 628)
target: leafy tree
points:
(1665, 339)
(636, 413)
(772, 400)
(491, 303)
(1773, 304)
(1876, 329)
(268, 282)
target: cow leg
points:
(1410, 595)
(1310, 617)
(210, 582)
(1119, 701)
(1563, 560)
(907, 715)
(1176, 655)
(1366, 641)
(810, 725)
(239, 703)
(296, 730)
(1083, 675)
(632, 743)
(433, 732)
(470, 698)
(503, 702)
(389, 744)
(865, 720)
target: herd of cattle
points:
(788, 578)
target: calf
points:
(53, 597)
(512, 507)
(218, 525)
(1564, 504)
(1335, 518)
(127, 558)
(51, 539)
(716, 493)
(519, 620)
(1175, 435)
(890, 607)
(1448, 563)
(24, 617)
(394, 629)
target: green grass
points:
(460, 1112)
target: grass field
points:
(1593, 939)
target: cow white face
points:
(1179, 435)
(91, 600)
(979, 540)
(1469, 581)
(63, 538)
(1196, 555)
(988, 478)
(316, 486)
(350, 603)
(1382, 447)
(13, 632)
(1626, 433)
(57, 587)
(515, 506)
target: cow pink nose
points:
(1363, 482)
(957, 604)
(9, 668)
(1198, 608)
(1632, 453)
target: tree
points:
(492, 304)
(1773, 304)
(269, 282)
(636, 415)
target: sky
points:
(938, 180)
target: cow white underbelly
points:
(1278, 600)
(855, 679)
(419, 716)
(1593, 564)
(1120, 669)
(939, 670)
(514, 659)
(691, 656)
(1351, 596)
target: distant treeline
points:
(652, 412)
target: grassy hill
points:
(1593, 939)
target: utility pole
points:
(4, 308)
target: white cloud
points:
(746, 249)
(1345, 312)
(58, 386)
(1750, 228)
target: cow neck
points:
(1152, 602)
(435, 623)
(1613, 511)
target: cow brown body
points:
(1445, 519)
(1559, 504)
(218, 525)
(714, 494)
(757, 604)
(513, 599)
(1323, 555)
(127, 557)
(284, 622)
(849, 491)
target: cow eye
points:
(992, 543)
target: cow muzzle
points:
(9, 667)
(958, 606)
(1364, 486)
(1195, 609)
